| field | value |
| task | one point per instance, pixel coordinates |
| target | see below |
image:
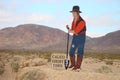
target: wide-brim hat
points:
(76, 9)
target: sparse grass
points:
(102, 56)
(104, 69)
(1, 67)
(41, 54)
(33, 75)
(47, 55)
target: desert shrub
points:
(41, 54)
(109, 62)
(1, 67)
(47, 56)
(33, 62)
(38, 62)
(15, 64)
(33, 75)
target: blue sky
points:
(101, 16)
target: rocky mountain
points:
(31, 36)
(38, 37)
(108, 43)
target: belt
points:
(83, 32)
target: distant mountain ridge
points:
(109, 42)
(38, 37)
(30, 36)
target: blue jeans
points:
(78, 43)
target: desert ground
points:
(15, 66)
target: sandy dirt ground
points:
(92, 69)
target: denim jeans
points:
(78, 43)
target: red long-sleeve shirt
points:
(79, 27)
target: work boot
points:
(78, 64)
(72, 59)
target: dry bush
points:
(45, 55)
(38, 62)
(33, 62)
(109, 62)
(15, 64)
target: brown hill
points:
(38, 37)
(30, 36)
(108, 43)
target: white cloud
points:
(95, 24)
(104, 20)
(10, 18)
(9, 14)
(39, 17)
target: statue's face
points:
(75, 14)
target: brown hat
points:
(76, 9)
